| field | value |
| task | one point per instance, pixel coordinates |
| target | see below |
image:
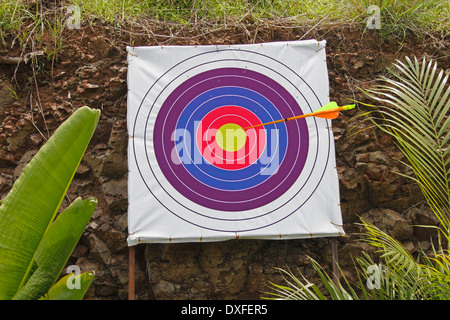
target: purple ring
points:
(178, 176)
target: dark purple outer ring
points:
(289, 169)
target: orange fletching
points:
(327, 114)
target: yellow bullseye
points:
(231, 137)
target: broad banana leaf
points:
(56, 247)
(62, 291)
(29, 209)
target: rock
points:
(105, 288)
(6, 182)
(115, 163)
(87, 71)
(113, 238)
(115, 193)
(379, 157)
(164, 289)
(82, 171)
(36, 139)
(354, 195)
(2, 138)
(401, 229)
(27, 156)
(6, 158)
(80, 251)
(375, 171)
(98, 249)
(358, 64)
(424, 220)
(361, 167)
(390, 222)
(352, 250)
(19, 137)
(121, 221)
(87, 265)
(87, 85)
(6, 97)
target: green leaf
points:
(70, 287)
(416, 115)
(30, 207)
(56, 247)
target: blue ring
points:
(230, 179)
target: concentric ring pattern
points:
(245, 98)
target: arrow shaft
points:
(313, 114)
(277, 121)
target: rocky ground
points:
(37, 94)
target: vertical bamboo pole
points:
(131, 274)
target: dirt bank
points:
(90, 69)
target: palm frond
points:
(296, 288)
(402, 275)
(300, 288)
(415, 111)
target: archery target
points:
(192, 149)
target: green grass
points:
(25, 21)
(399, 16)
(429, 15)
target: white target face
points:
(199, 168)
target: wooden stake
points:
(131, 274)
(334, 256)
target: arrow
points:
(328, 111)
